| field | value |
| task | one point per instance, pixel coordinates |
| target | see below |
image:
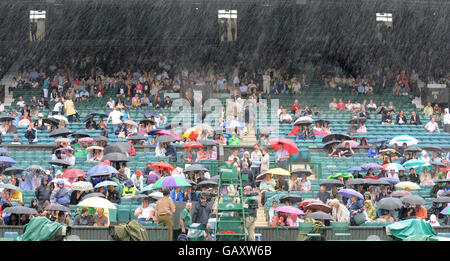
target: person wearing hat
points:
(39, 123)
(43, 192)
(138, 180)
(60, 194)
(129, 190)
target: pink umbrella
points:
(319, 133)
(86, 140)
(130, 122)
(400, 193)
(290, 210)
(166, 132)
(352, 143)
(67, 184)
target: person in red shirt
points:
(296, 106)
(421, 212)
(25, 116)
(341, 105)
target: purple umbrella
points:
(371, 166)
(101, 168)
(390, 180)
(290, 210)
(350, 192)
(4, 159)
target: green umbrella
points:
(106, 184)
(341, 174)
(171, 182)
(420, 168)
(147, 188)
(414, 163)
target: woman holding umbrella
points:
(339, 212)
(356, 207)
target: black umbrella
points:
(147, 121)
(94, 194)
(12, 171)
(89, 117)
(172, 125)
(389, 203)
(6, 118)
(165, 138)
(432, 148)
(442, 200)
(330, 143)
(115, 157)
(101, 138)
(192, 182)
(51, 121)
(437, 163)
(207, 183)
(119, 147)
(99, 174)
(57, 207)
(336, 136)
(303, 122)
(137, 137)
(332, 182)
(413, 149)
(195, 167)
(300, 171)
(10, 186)
(207, 142)
(377, 182)
(33, 168)
(19, 210)
(80, 134)
(139, 197)
(357, 182)
(60, 132)
(59, 162)
(293, 198)
(320, 215)
(413, 199)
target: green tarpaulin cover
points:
(39, 229)
(411, 227)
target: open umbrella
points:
(399, 140)
(389, 152)
(319, 215)
(168, 133)
(93, 195)
(318, 207)
(413, 200)
(205, 142)
(400, 193)
(74, 173)
(3, 150)
(193, 144)
(115, 157)
(378, 140)
(91, 148)
(389, 203)
(86, 140)
(165, 138)
(407, 184)
(171, 182)
(51, 121)
(20, 210)
(393, 166)
(231, 124)
(192, 133)
(341, 174)
(284, 143)
(350, 192)
(293, 198)
(147, 188)
(442, 200)
(413, 163)
(147, 121)
(330, 143)
(12, 171)
(10, 186)
(130, 122)
(34, 168)
(97, 202)
(300, 171)
(367, 166)
(99, 174)
(278, 171)
(355, 168)
(352, 143)
(60, 132)
(357, 182)
(101, 138)
(332, 182)
(82, 186)
(137, 137)
(106, 184)
(413, 149)
(163, 165)
(289, 210)
(377, 182)
(391, 180)
(195, 167)
(57, 207)
(306, 202)
(6, 118)
(335, 136)
(156, 195)
(59, 162)
(102, 168)
(139, 196)
(207, 183)
(302, 121)
(63, 140)
(6, 159)
(121, 147)
(446, 211)
(433, 148)
(435, 163)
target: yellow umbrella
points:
(97, 202)
(279, 171)
(192, 133)
(407, 185)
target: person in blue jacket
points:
(176, 195)
(373, 151)
(356, 207)
(60, 194)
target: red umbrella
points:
(193, 144)
(105, 162)
(308, 201)
(163, 165)
(287, 144)
(318, 207)
(74, 173)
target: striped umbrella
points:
(446, 211)
(171, 182)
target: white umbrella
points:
(59, 117)
(82, 186)
(94, 148)
(399, 140)
(156, 195)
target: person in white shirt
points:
(115, 117)
(161, 121)
(371, 106)
(69, 157)
(160, 151)
(285, 117)
(138, 180)
(57, 108)
(145, 212)
(110, 104)
(2, 107)
(432, 126)
(21, 102)
(392, 174)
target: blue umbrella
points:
(390, 180)
(3, 150)
(233, 124)
(355, 168)
(350, 192)
(378, 140)
(371, 166)
(4, 159)
(154, 132)
(102, 168)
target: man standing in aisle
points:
(164, 211)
